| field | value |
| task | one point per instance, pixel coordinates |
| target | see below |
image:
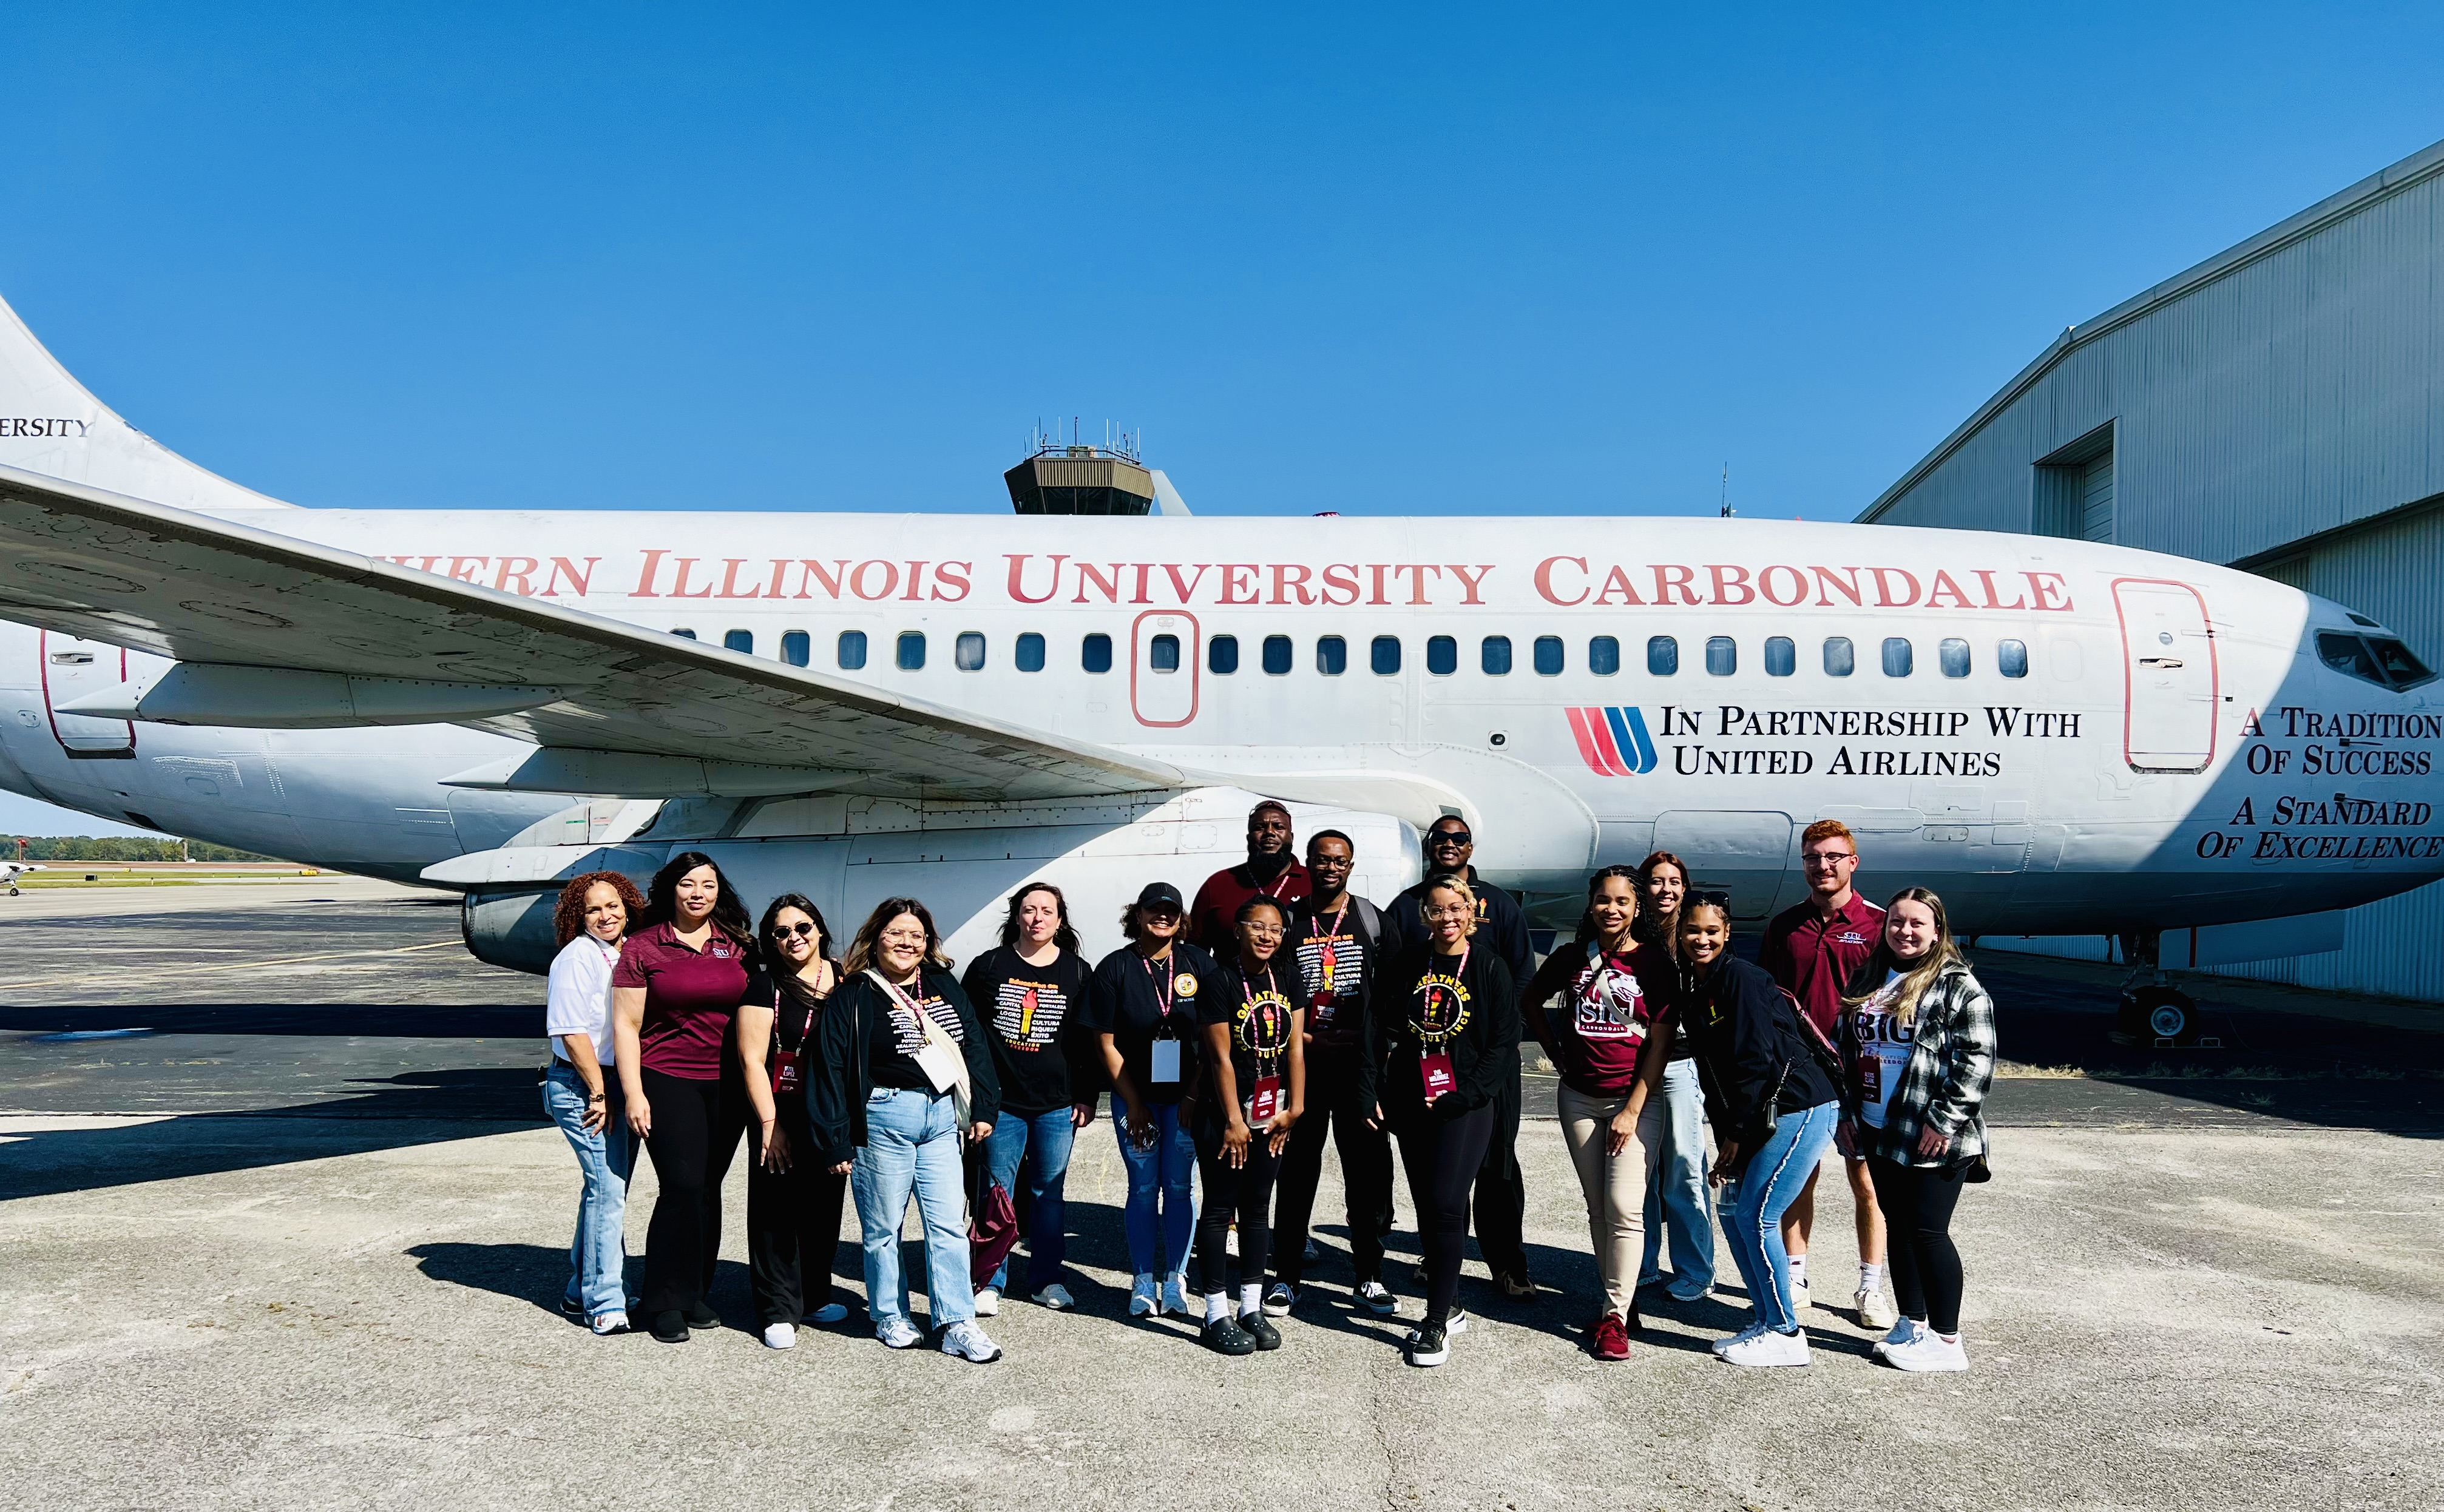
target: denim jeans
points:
(597, 1256)
(1773, 1179)
(1162, 1176)
(911, 1143)
(1676, 1193)
(1042, 1141)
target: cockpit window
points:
(2379, 660)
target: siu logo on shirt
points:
(1613, 742)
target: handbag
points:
(992, 1228)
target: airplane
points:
(2060, 737)
(11, 871)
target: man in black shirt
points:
(1502, 1188)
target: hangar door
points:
(2168, 664)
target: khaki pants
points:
(1615, 1186)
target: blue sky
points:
(1393, 261)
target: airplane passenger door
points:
(72, 668)
(1164, 662)
(2167, 663)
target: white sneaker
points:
(898, 1333)
(1904, 1331)
(1874, 1312)
(967, 1342)
(1767, 1348)
(1378, 1299)
(1928, 1352)
(1279, 1298)
(829, 1313)
(610, 1324)
(781, 1336)
(1798, 1291)
(1174, 1294)
(989, 1303)
(1725, 1345)
(1056, 1296)
(1144, 1302)
(1231, 1242)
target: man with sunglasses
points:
(1271, 870)
(1501, 1187)
(1811, 949)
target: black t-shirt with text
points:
(1033, 1017)
(1332, 965)
(894, 1036)
(1258, 1007)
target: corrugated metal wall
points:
(2289, 389)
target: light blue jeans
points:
(1042, 1142)
(597, 1256)
(911, 1143)
(1753, 1223)
(1677, 1189)
(1160, 1219)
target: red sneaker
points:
(1612, 1340)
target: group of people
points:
(1232, 1034)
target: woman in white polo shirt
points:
(581, 1091)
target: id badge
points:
(1165, 1056)
(1435, 1072)
(1267, 1101)
(1871, 1079)
(1318, 1013)
(786, 1080)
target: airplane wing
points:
(299, 634)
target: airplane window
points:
(1494, 656)
(1162, 654)
(1384, 655)
(1603, 655)
(912, 651)
(967, 651)
(1331, 655)
(797, 649)
(1222, 654)
(852, 649)
(1549, 655)
(1030, 652)
(1662, 656)
(1900, 659)
(1277, 655)
(1780, 656)
(1442, 656)
(1722, 656)
(684, 635)
(1952, 654)
(2405, 670)
(2011, 657)
(1840, 659)
(2349, 655)
(742, 641)
(1095, 654)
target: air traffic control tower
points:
(1081, 480)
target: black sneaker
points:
(1519, 1288)
(670, 1328)
(1428, 1345)
(1259, 1327)
(701, 1316)
(1224, 1336)
(1458, 1320)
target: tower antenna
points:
(1727, 492)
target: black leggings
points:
(1443, 1156)
(1246, 1191)
(793, 1224)
(1365, 1172)
(1917, 1204)
(697, 1125)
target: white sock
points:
(1217, 1307)
(1251, 1297)
(1799, 1270)
(1871, 1275)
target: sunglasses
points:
(1450, 837)
(802, 928)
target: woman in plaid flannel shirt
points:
(1917, 1054)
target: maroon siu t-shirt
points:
(1812, 958)
(1610, 1005)
(691, 997)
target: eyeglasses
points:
(802, 928)
(1450, 837)
(1827, 858)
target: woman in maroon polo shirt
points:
(675, 993)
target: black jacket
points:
(1500, 925)
(1745, 1031)
(841, 1076)
(1484, 1052)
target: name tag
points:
(1267, 1101)
(1435, 1072)
(1318, 1013)
(786, 1080)
(1165, 1056)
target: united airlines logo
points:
(1613, 742)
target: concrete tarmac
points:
(300, 1239)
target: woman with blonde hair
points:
(1917, 1054)
(580, 1089)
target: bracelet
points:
(599, 1098)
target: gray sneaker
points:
(898, 1333)
(967, 1342)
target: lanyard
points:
(1459, 974)
(1283, 881)
(1161, 983)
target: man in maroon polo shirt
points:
(1811, 949)
(1271, 868)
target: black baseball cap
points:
(1161, 896)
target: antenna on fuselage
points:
(1726, 507)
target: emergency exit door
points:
(2171, 682)
(72, 668)
(1163, 668)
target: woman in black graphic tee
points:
(793, 1199)
(1252, 1024)
(1438, 1025)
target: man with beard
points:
(1271, 870)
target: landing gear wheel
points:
(2166, 1014)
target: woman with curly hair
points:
(590, 923)
(676, 994)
